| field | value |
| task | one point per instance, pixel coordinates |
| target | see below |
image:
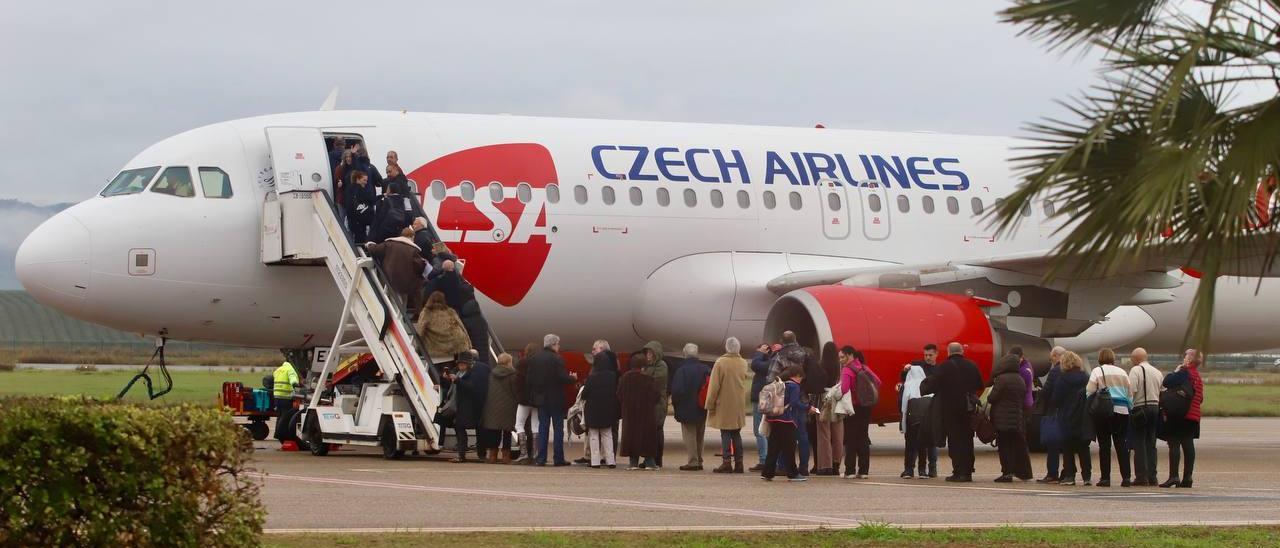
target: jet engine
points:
(891, 326)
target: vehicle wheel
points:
(311, 431)
(258, 430)
(390, 445)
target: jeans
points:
(731, 445)
(1143, 441)
(693, 434)
(802, 439)
(1113, 431)
(762, 443)
(1073, 451)
(554, 419)
(857, 444)
(1052, 458)
(916, 454)
(1178, 446)
(782, 447)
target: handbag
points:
(844, 406)
(981, 424)
(1051, 432)
(1176, 402)
(1099, 405)
(450, 406)
(702, 392)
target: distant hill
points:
(25, 321)
(17, 219)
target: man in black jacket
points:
(953, 384)
(929, 363)
(1052, 452)
(545, 383)
(358, 200)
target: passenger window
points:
(796, 201)
(770, 201)
(468, 191)
(744, 199)
(607, 195)
(495, 192)
(664, 197)
(976, 205)
(580, 194)
(953, 205)
(437, 190)
(873, 201)
(553, 194)
(833, 201)
(130, 181)
(926, 204)
(690, 197)
(637, 197)
(215, 183)
(717, 199)
(1048, 208)
(524, 193)
(904, 203)
(175, 181)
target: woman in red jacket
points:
(1181, 432)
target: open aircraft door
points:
(833, 200)
(300, 164)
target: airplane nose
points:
(53, 263)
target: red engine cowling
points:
(889, 326)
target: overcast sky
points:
(89, 84)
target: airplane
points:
(627, 231)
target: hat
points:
(776, 347)
(465, 357)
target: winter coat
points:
(545, 380)
(952, 383)
(477, 327)
(1068, 401)
(392, 213)
(815, 376)
(362, 163)
(911, 379)
(600, 392)
(849, 379)
(1007, 397)
(1028, 379)
(637, 395)
(422, 237)
(1177, 427)
(726, 402)
(686, 385)
(354, 196)
(473, 389)
(658, 371)
(1047, 390)
(759, 373)
(442, 331)
(795, 411)
(402, 262)
(522, 381)
(500, 405)
(449, 283)
(791, 354)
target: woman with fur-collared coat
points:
(441, 329)
(726, 404)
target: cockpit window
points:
(130, 181)
(175, 181)
(215, 183)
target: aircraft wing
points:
(1065, 306)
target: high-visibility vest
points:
(284, 379)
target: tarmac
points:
(356, 490)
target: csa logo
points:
(503, 241)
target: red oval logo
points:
(504, 242)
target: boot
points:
(726, 466)
(737, 466)
(1171, 482)
(492, 456)
(506, 456)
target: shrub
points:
(84, 472)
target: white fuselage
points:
(588, 248)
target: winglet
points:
(331, 101)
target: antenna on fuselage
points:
(331, 101)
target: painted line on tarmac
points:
(748, 528)
(738, 512)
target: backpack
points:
(773, 399)
(867, 388)
(918, 410)
(396, 220)
(1176, 402)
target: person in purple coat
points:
(1028, 377)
